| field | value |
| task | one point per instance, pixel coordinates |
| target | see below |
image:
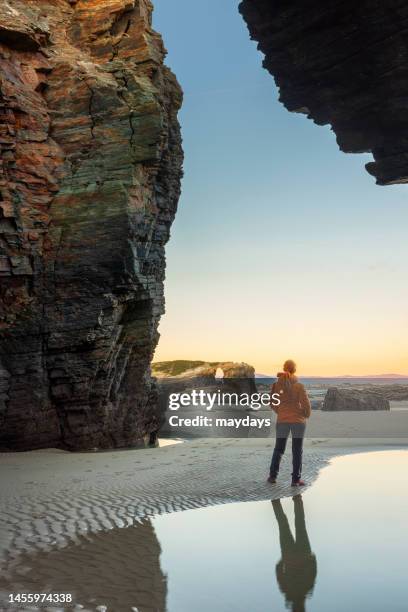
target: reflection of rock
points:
(90, 177)
(119, 569)
(353, 399)
(342, 63)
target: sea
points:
(313, 381)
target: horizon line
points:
(391, 375)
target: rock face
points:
(353, 399)
(342, 63)
(184, 376)
(90, 178)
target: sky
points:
(282, 247)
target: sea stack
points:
(353, 399)
(90, 180)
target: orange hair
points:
(289, 366)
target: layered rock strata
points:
(345, 64)
(90, 179)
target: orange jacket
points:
(295, 405)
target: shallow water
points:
(347, 551)
(230, 558)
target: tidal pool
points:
(341, 546)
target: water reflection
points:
(117, 571)
(296, 571)
(222, 558)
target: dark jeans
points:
(282, 433)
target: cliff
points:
(345, 64)
(90, 178)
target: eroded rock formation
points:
(342, 63)
(90, 178)
(394, 392)
(202, 369)
(182, 376)
(353, 399)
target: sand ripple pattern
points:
(52, 500)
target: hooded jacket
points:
(294, 403)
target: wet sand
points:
(51, 499)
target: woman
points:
(293, 410)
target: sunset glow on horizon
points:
(282, 246)
(321, 359)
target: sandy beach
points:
(49, 497)
(53, 500)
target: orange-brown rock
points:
(90, 179)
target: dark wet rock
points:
(353, 399)
(89, 181)
(342, 63)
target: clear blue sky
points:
(283, 245)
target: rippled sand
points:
(52, 500)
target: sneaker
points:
(271, 480)
(298, 483)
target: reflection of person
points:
(293, 410)
(296, 571)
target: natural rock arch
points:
(90, 179)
